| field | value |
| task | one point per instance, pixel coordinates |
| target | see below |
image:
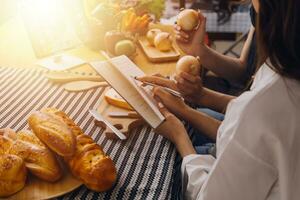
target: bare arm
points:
(215, 100)
(206, 124)
(225, 66)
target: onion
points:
(151, 35)
(162, 41)
(188, 64)
(188, 19)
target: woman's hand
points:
(174, 104)
(192, 42)
(173, 130)
(159, 80)
(172, 127)
(190, 87)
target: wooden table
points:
(16, 51)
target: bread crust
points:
(50, 129)
(89, 162)
(94, 168)
(38, 159)
(13, 174)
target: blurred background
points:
(227, 20)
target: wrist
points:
(184, 145)
(204, 97)
(185, 112)
(201, 51)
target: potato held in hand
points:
(188, 64)
(125, 47)
(162, 41)
(188, 19)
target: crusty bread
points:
(12, 174)
(76, 130)
(38, 159)
(52, 131)
(89, 162)
(12, 168)
(94, 168)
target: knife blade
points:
(99, 117)
(133, 115)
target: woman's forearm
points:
(204, 123)
(226, 67)
(184, 145)
(215, 100)
(232, 69)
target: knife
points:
(99, 117)
(133, 115)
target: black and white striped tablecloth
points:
(144, 162)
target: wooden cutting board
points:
(155, 55)
(125, 125)
(37, 189)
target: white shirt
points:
(258, 146)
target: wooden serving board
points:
(37, 189)
(125, 125)
(155, 55)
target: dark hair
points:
(278, 32)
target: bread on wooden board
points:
(13, 174)
(89, 163)
(38, 159)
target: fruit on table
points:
(133, 23)
(151, 35)
(125, 47)
(189, 64)
(162, 41)
(188, 19)
(111, 38)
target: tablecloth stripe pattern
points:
(144, 162)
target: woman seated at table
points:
(258, 143)
(239, 70)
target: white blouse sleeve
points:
(239, 172)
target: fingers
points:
(202, 23)
(190, 78)
(158, 75)
(164, 111)
(159, 81)
(186, 89)
(181, 35)
(180, 32)
(160, 96)
(188, 85)
(200, 15)
(180, 39)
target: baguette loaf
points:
(51, 130)
(89, 162)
